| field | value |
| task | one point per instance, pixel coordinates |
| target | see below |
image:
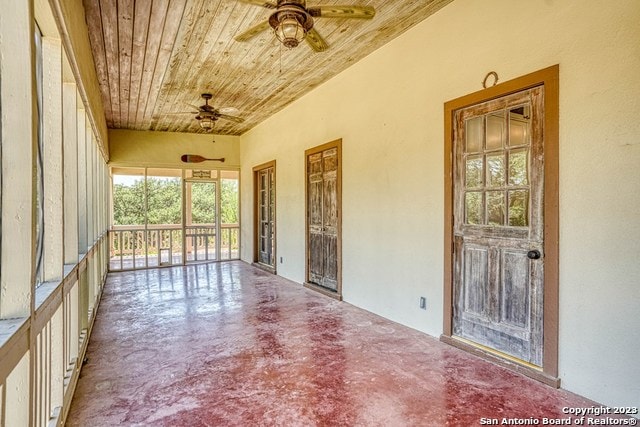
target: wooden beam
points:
(138, 51)
(167, 41)
(156, 21)
(94, 20)
(109, 16)
(125, 47)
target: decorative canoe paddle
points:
(194, 158)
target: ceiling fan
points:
(292, 21)
(207, 115)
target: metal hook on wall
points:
(489, 74)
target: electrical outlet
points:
(423, 303)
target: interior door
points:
(265, 221)
(498, 225)
(323, 217)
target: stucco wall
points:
(164, 149)
(388, 109)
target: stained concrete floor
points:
(227, 344)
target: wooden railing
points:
(229, 241)
(50, 344)
(42, 355)
(136, 247)
(200, 242)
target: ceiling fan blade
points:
(316, 41)
(186, 112)
(231, 118)
(229, 110)
(361, 12)
(252, 32)
(262, 3)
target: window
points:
(147, 218)
(229, 215)
(149, 227)
(129, 197)
(129, 216)
(164, 197)
(163, 193)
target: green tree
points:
(229, 201)
(164, 205)
(164, 201)
(203, 203)
(128, 204)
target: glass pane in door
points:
(200, 216)
(496, 134)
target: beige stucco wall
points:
(164, 149)
(388, 109)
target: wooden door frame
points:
(549, 78)
(338, 145)
(256, 217)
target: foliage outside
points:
(164, 202)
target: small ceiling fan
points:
(292, 21)
(207, 115)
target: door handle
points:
(534, 254)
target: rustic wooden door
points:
(266, 221)
(323, 174)
(498, 225)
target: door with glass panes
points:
(498, 231)
(265, 211)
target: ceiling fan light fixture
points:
(292, 21)
(290, 30)
(206, 123)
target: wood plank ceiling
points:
(155, 57)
